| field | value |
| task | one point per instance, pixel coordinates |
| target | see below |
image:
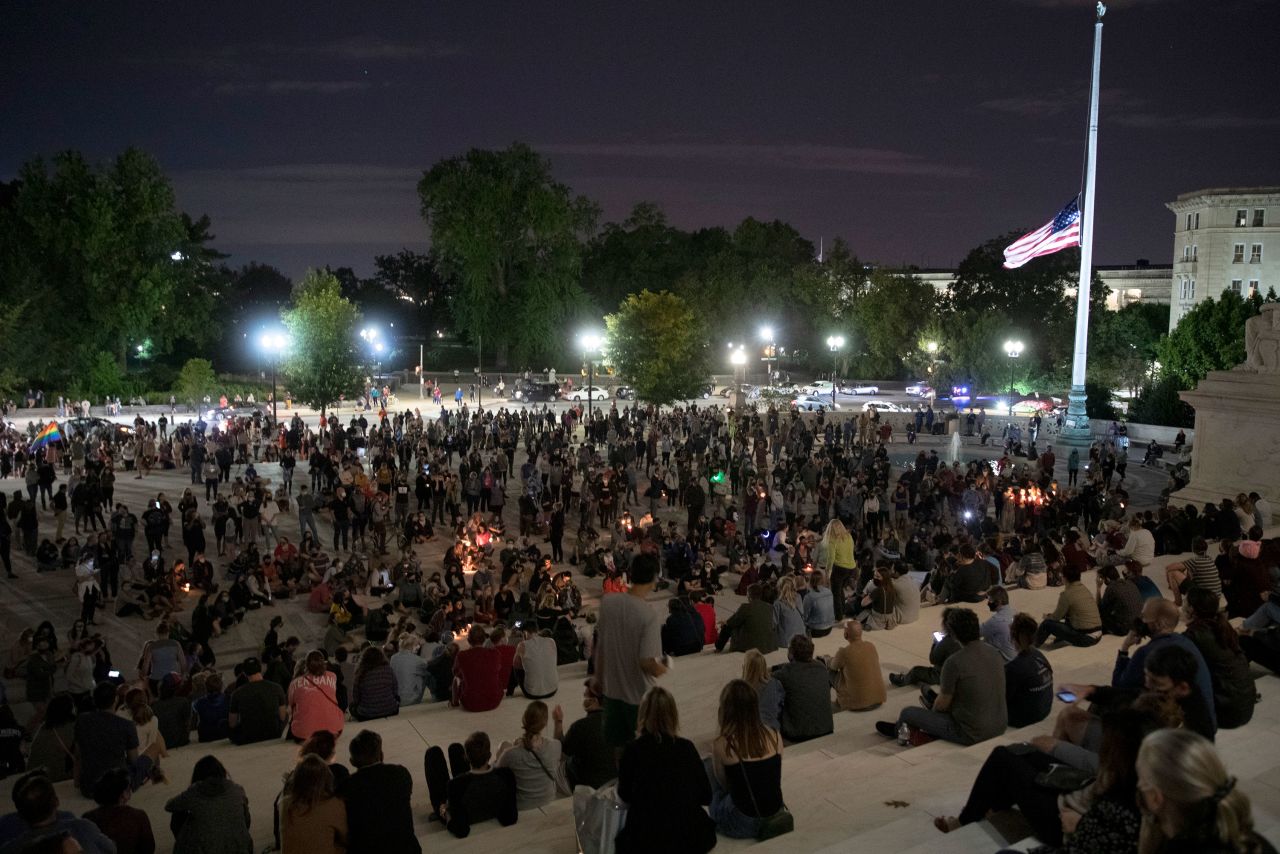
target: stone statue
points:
(1262, 341)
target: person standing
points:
(628, 650)
(837, 545)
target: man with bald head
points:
(855, 672)
(1159, 620)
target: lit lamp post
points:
(590, 343)
(834, 343)
(1013, 349)
(739, 360)
(771, 352)
(274, 343)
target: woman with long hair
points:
(374, 690)
(881, 604)
(313, 699)
(664, 784)
(312, 818)
(787, 619)
(746, 764)
(769, 691)
(535, 760)
(1189, 802)
(837, 554)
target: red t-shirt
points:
(707, 612)
(478, 669)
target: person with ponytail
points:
(1188, 800)
(535, 761)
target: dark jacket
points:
(211, 817)
(379, 819)
(806, 700)
(750, 627)
(665, 787)
(683, 632)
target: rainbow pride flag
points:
(50, 433)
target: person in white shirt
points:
(1140, 547)
(1261, 510)
(535, 664)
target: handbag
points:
(774, 825)
(598, 815)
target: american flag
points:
(1059, 233)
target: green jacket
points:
(751, 627)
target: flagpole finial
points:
(1102, 10)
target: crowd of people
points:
(806, 517)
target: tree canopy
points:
(511, 237)
(322, 364)
(658, 344)
(1210, 337)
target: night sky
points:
(915, 130)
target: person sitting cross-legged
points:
(806, 693)
(1076, 619)
(475, 791)
(855, 672)
(970, 707)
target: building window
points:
(1255, 287)
(1259, 215)
(1242, 218)
(1236, 286)
(1188, 222)
(1197, 220)
(1193, 288)
(1195, 251)
(1255, 253)
(1237, 254)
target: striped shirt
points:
(1203, 572)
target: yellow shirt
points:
(840, 553)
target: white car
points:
(818, 387)
(853, 388)
(597, 393)
(920, 389)
(886, 406)
(813, 403)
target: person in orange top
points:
(313, 700)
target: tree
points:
(413, 279)
(640, 253)
(322, 364)
(1210, 337)
(243, 299)
(1122, 344)
(98, 243)
(195, 380)
(889, 316)
(511, 237)
(1159, 403)
(657, 342)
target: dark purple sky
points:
(915, 130)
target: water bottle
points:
(904, 734)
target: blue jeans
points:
(730, 821)
(937, 724)
(1268, 614)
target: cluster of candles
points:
(1031, 496)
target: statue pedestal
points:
(1237, 445)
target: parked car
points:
(818, 387)
(920, 389)
(531, 392)
(706, 390)
(593, 392)
(751, 391)
(857, 388)
(221, 414)
(93, 427)
(883, 406)
(624, 392)
(813, 403)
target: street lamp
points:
(274, 343)
(834, 343)
(591, 342)
(738, 358)
(1013, 349)
(767, 335)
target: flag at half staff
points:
(1059, 233)
(50, 433)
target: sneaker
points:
(898, 680)
(887, 728)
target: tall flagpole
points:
(1076, 430)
